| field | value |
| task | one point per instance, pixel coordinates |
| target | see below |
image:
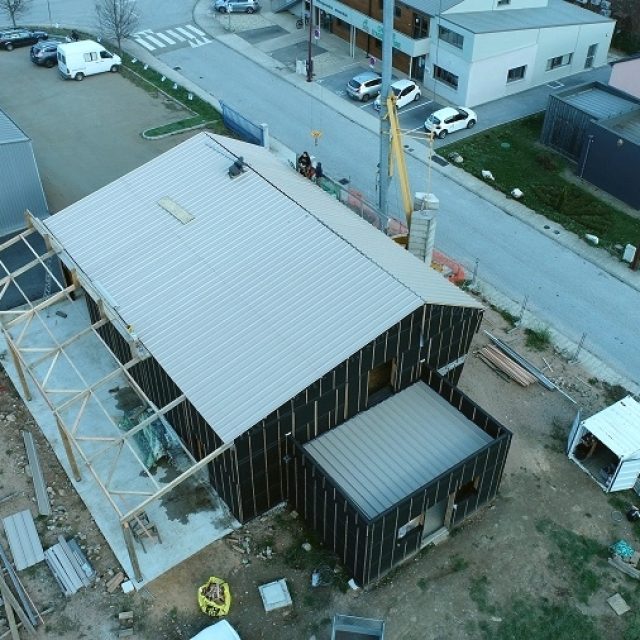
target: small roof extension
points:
(618, 427)
(246, 289)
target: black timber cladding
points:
(437, 334)
(370, 547)
(251, 478)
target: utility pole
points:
(309, 58)
(385, 126)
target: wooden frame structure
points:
(17, 325)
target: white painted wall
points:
(489, 5)
(483, 65)
(626, 77)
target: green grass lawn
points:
(516, 159)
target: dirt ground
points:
(538, 552)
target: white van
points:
(84, 58)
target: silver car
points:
(237, 6)
(364, 86)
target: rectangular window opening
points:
(559, 61)
(517, 73)
(453, 38)
(445, 76)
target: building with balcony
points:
(474, 51)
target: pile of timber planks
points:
(499, 360)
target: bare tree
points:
(14, 8)
(116, 18)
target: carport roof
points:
(618, 427)
(558, 13)
(384, 454)
(244, 290)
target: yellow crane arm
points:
(397, 152)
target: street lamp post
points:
(49, 10)
(309, 59)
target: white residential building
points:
(474, 51)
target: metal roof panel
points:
(382, 455)
(618, 427)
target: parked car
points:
(450, 119)
(45, 52)
(12, 38)
(364, 86)
(237, 6)
(406, 91)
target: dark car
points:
(45, 52)
(20, 38)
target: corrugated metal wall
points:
(20, 186)
(369, 549)
(613, 167)
(564, 127)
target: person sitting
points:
(304, 163)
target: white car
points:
(450, 119)
(219, 631)
(406, 91)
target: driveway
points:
(85, 134)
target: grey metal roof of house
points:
(618, 427)
(20, 185)
(253, 299)
(384, 454)
(9, 130)
(626, 126)
(557, 13)
(599, 101)
(432, 7)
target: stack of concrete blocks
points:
(423, 225)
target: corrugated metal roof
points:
(626, 126)
(618, 427)
(23, 539)
(557, 13)
(251, 301)
(599, 102)
(20, 186)
(432, 7)
(9, 130)
(388, 255)
(384, 454)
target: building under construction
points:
(224, 322)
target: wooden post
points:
(18, 365)
(68, 449)
(128, 540)
(13, 606)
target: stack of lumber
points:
(69, 566)
(499, 360)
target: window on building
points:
(559, 61)
(467, 490)
(445, 76)
(380, 383)
(420, 26)
(591, 54)
(451, 37)
(501, 3)
(517, 73)
(410, 526)
(397, 11)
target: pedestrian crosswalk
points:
(186, 35)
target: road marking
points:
(196, 43)
(147, 46)
(155, 41)
(406, 109)
(167, 39)
(175, 35)
(196, 31)
(184, 31)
